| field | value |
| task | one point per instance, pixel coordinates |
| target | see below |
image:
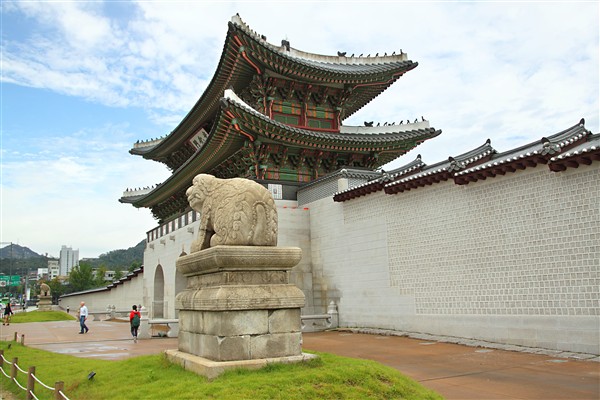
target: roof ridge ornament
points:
(455, 165)
(548, 147)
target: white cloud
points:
(68, 190)
(512, 72)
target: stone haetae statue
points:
(234, 212)
(45, 299)
(44, 290)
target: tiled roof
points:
(441, 171)
(346, 173)
(566, 149)
(368, 77)
(584, 153)
(340, 64)
(391, 135)
(378, 184)
(228, 137)
(124, 279)
(529, 155)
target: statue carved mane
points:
(234, 212)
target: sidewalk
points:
(455, 371)
(462, 372)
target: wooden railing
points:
(31, 379)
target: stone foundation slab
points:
(212, 369)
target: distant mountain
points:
(19, 258)
(120, 259)
(15, 251)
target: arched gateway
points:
(158, 299)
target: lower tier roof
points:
(246, 143)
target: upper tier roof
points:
(246, 54)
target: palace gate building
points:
(497, 246)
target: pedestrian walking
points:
(134, 322)
(83, 314)
(7, 313)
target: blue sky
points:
(82, 81)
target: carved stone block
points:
(233, 323)
(276, 345)
(285, 321)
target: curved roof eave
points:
(224, 136)
(393, 134)
(362, 68)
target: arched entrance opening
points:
(158, 299)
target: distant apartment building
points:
(109, 276)
(53, 269)
(69, 258)
(42, 273)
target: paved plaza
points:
(453, 370)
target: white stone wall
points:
(293, 231)
(513, 259)
(122, 296)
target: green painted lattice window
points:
(287, 112)
(319, 117)
(319, 123)
(287, 107)
(319, 112)
(287, 119)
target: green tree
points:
(100, 274)
(81, 277)
(118, 275)
(134, 265)
(57, 289)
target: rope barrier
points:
(19, 368)
(42, 383)
(57, 389)
(18, 384)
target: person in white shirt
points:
(83, 314)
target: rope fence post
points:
(23, 339)
(30, 383)
(13, 368)
(1, 358)
(58, 387)
(15, 339)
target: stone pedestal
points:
(239, 306)
(45, 303)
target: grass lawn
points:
(153, 377)
(40, 316)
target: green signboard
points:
(10, 280)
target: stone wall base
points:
(212, 369)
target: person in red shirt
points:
(134, 322)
